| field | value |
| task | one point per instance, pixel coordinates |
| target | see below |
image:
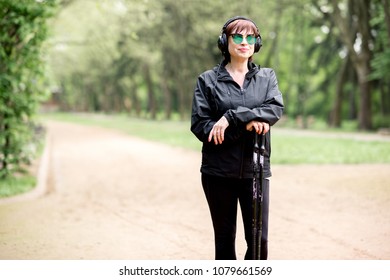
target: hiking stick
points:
(257, 197)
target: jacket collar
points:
(223, 74)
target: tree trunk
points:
(135, 104)
(361, 57)
(151, 95)
(335, 117)
(4, 168)
(364, 113)
(167, 99)
(134, 100)
(274, 42)
(352, 95)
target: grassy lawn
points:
(287, 147)
(14, 186)
(297, 149)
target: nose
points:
(244, 40)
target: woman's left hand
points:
(218, 131)
(259, 127)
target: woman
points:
(231, 102)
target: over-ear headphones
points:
(223, 40)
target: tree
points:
(358, 47)
(23, 32)
(143, 57)
(381, 59)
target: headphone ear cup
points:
(258, 44)
(222, 43)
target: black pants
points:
(223, 195)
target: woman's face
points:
(241, 45)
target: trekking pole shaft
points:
(256, 200)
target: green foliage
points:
(23, 32)
(381, 61)
(381, 65)
(142, 57)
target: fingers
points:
(259, 127)
(217, 133)
(219, 136)
(265, 127)
(249, 126)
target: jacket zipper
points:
(242, 91)
(243, 96)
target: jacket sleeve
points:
(201, 121)
(270, 111)
(204, 114)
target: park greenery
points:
(23, 32)
(141, 58)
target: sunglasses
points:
(238, 38)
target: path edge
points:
(41, 187)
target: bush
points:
(23, 31)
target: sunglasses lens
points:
(251, 39)
(237, 38)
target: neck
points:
(238, 65)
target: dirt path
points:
(112, 196)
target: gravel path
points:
(107, 195)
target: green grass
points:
(297, 149)
(17, 185)
(287, 147)
(175, 133)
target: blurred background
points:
(141, 58)
(70, 67)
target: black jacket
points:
(214, 97)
